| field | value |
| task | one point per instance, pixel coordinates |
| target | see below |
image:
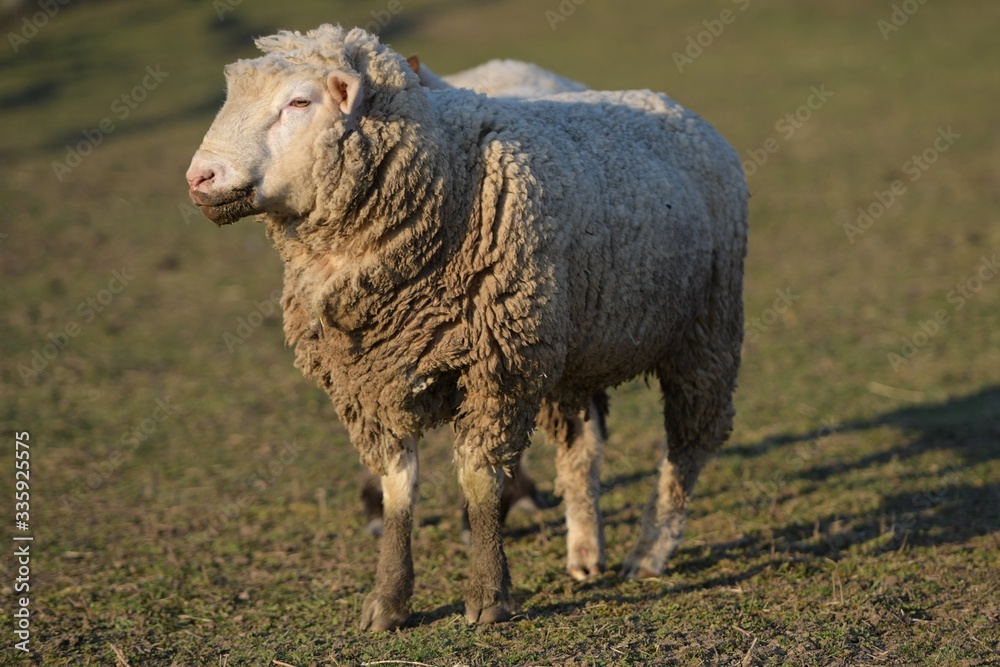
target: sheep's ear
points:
(346, 90)
(414, 62)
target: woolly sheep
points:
(453, 257)
(498, 78)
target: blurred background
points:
(195, 501)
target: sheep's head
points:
(258, 155)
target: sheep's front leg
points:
(487, 599)
(388, 606)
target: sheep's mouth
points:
(228, 208)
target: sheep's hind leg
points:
(388, 606)
(664, 517)
(487, 598)
(698, 421)
(578, 470)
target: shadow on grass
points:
(970, 425)
(945, 510)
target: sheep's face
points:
(258, 155)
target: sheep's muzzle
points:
(228, 207)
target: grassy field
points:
(194, 500)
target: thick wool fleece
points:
(469, 257)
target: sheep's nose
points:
(201, 176)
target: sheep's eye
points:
(299, 103)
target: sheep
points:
(497, 78)
(456, 258)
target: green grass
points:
(853, 519)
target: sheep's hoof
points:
(585, 570)
(497, 613)
(635, 569)
(585, 562)
(374, 527)
(379, 615)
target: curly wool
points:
(469, 257)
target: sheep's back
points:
(636, 197)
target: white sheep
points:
(499, 78)
(453, 257)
